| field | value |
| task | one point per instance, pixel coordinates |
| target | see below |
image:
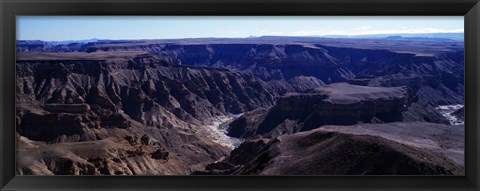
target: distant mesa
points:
(335, 104)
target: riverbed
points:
(217, 131)
(447, 112)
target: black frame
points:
(10, 8)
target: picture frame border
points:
(9, 9)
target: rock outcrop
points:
(338, 104)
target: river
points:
(447, 112)
(217, 131)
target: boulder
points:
(160, 154)
(146, 140)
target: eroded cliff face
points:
(434, 69)
(438, 77)
(137, 88)
(114, 101)
(335, 104)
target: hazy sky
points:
(52, 28)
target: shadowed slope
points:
(338, 152)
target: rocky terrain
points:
(369, 149)
(434, 69)
(64, 102)
(143, 107)
(335, 104)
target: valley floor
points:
(218, 128)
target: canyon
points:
(239, 106)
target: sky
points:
(59, 28)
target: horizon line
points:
(250, 36)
